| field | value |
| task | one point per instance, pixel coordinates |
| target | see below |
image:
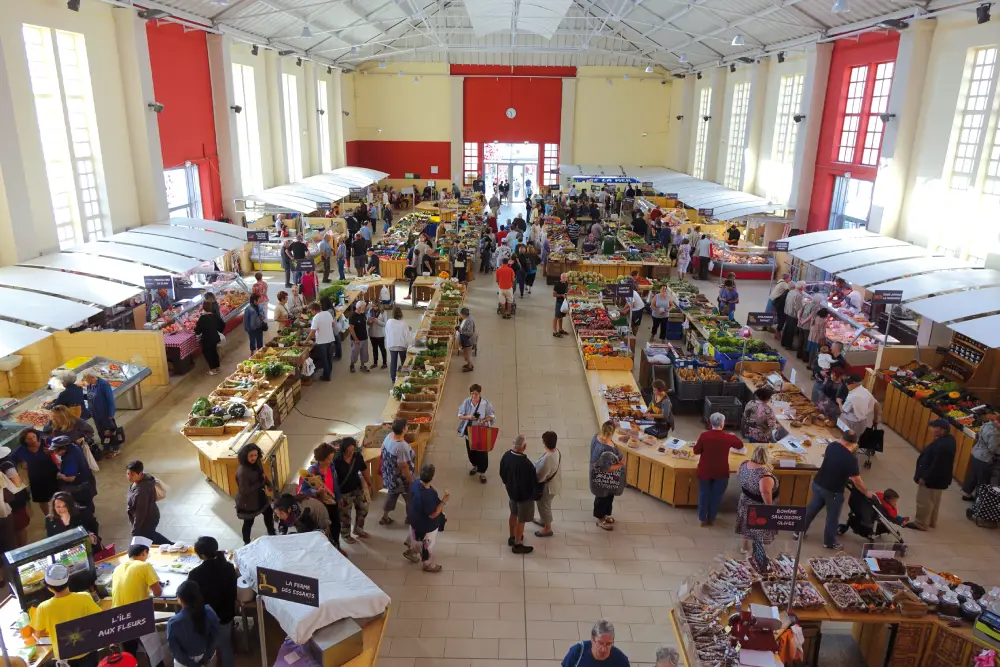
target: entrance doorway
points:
(516, 164)
(852, 203)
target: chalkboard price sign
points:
(777, 246)
(257, 235)
(887, 296)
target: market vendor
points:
(634, 307)
(733, 234)
(72, 395)
(62, 607)
(985, 453)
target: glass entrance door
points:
(852, 203)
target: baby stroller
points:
(867, 519)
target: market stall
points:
(217, 456)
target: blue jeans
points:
(340, 269)
(710, 492)
(256, 340)
(395, 361)
(521, 277)
(296, 277)
(833, 502)
(225, 652)
(324, 360)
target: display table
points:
(392, 268)
(423, 289)
(217, 457)
(371, 289)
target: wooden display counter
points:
(423, 289)
(392, 268)
(217, 457)
(371, 289)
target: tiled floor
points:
(490, 608)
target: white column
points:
(680, 123)
(311, 155)
(567, 127)
(897, 141)
(755, 123)
(336, 106)
(220, 66)
(715, 159)
(276, 111)
(458, 130)
(143, 129)
(813, 99)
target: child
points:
(889, 500)
(823, 362)
(310, 285)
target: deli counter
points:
(230, 290)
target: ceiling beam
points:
(736, 24)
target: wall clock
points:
(511, 112)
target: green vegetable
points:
(209, 422)
(201, 407)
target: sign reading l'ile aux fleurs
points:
(96, 631)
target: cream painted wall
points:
(240, 54)
(96, 24)
(404, 110)
(775, 180)
(604, 134)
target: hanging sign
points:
(464, 201)
(887, 296)
(606, 179)
(305, 264)
(617, 290)
(777, 246)
(647, 184)
(762, 319)
(158, 282)
(671, 195)
(323, 206)
(356, 192)
(789, 518)
(257, 235)
(287, 586)
(96, 631)
(706, 212)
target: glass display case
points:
(742, 259)
(26, 565)
(229, 289)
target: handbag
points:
(540, 487)
(482, 438)
(872, 439)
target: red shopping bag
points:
(482, 438)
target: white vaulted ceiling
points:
(635, 33)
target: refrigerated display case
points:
(230, 291)
(26, 565)
(747, 262)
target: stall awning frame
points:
(305, 196)
(169, 262)
(234, 231)
(14, 337)
(219, 243)
(986, 330)
(42, 309)
(880, 273)
(69, 285)
(916, 287)
(958, 305)
(868, 257)
(827, 236)
(812, 253)
(166, 244)
(123, 270)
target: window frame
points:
(193, 205)
(470, 162)
(293, 137)
(701, 133)
(868, 130)
(786, 130)
(550, 162)
(248, 129)
(736, 147)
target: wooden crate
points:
(190, 429)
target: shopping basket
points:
(482, 438)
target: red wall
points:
(182, 83)
(397, 158)
(847, 53)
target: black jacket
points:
(935, 463)
(217, 580)
(518, 475)
(140, 501)
(209, 326)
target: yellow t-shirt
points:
(130, 582)
(54, 611)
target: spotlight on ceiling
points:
(684, 58)
(151, 14)
(680, 117)
(732, 68)
(748, 61)
(380, 130)
(649, 69)
(73, 5)
(382, 64)
(798, 118)
(738, 40)
(840, 6)
(329, 70)
(781, 56)
(254, 50)
(983, 13)
(706, 118)
(307, 31)
(699, 76)
(286, 52)
(679, 75)
(298, 61)
(236, 108)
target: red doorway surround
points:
(869, 48)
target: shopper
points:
(321, 482)
(140, 503)
(397, 338)
(260, 289)
(599, 651)
(807, 314)
(372, 263)
(758, 486)
(296, 304)
(193, 633)
(325, 255)
(255, 323)
(65, 424)
(376, 333)
(281, 316)
(309, 285)
(984, 456)
(359, 251)
(75, 476)
(467, 337)
(832, 394)
(299, 251)
(66, 514)
(286, 262)
(704, 256)
(659, 305)
(607, 474)
(63, 607)
(101, 401)
(793, 302)
(667, 657)
(359, 336)
(559, 291)
(341, 258)
(322, 333)
(547, 469)
(72, 395)
(252, 487)
(713, 448)
(355, 485)
(425, 514)
(758, 416)
(776, 300)
(475, 411)
(933, 474)
(634, 307)
(519, 478)
(683, 258)
(727, 300)
(839, 466)
(860, 411)
(398, 461)
(660, 407)
(216, 578)
(305, 514)
(208, 329)
(42, 470)
(339, 325)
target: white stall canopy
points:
(218, 242)
(958, 305)
(43, 310)
(70, 285)
(306, 195)
(234, 231)
(916, 287)
(726, 203)
(858, 258)
(986, 330)
(167, 261)
(844, 246)
(178, 247)
(872, 275)
(813, 238)
(14, 337)
(92, 265)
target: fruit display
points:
(592, 319)
(584, 278)
(604, 346)
(942, 395)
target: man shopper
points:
(505, 282)
(547, 469)
(704, 256)
(321, 330)
(133, 581)
(359, 250)
(359, 337)
(325, 254)
(299, 251)
(140, 503)
(341, 258)
(599, 651)
(933, 474)
(839, 466)
(518, 475)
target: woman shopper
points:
(425, 514)
(713, 467)
(832, 394)
(547, 468)
(807, 313)
(75, 476)
(793, 303)
(281, 315)
(72, 395)
(758, 416)
(727, 300)
(193, 633)
(326, 304)
(260, 289)
(252, 486)
(67, 515)
(17, 497)
(659, 304)
(559, 291)
(354, 483)
(101, 400)
(397, 338)
(475, 411)
(607, 474)
(758, 485)
(816, 335)
(216, 578)
(209, 329)
(683, 258)
(376, 333)
(321, 482)
(75, 429)
(42, 470)
(296, 304)
(467, 337)
(255, 323)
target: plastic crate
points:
(730, 388)
(730, 407)
(687, 390)
(711, 388)
(674, 326)
(675, 335)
